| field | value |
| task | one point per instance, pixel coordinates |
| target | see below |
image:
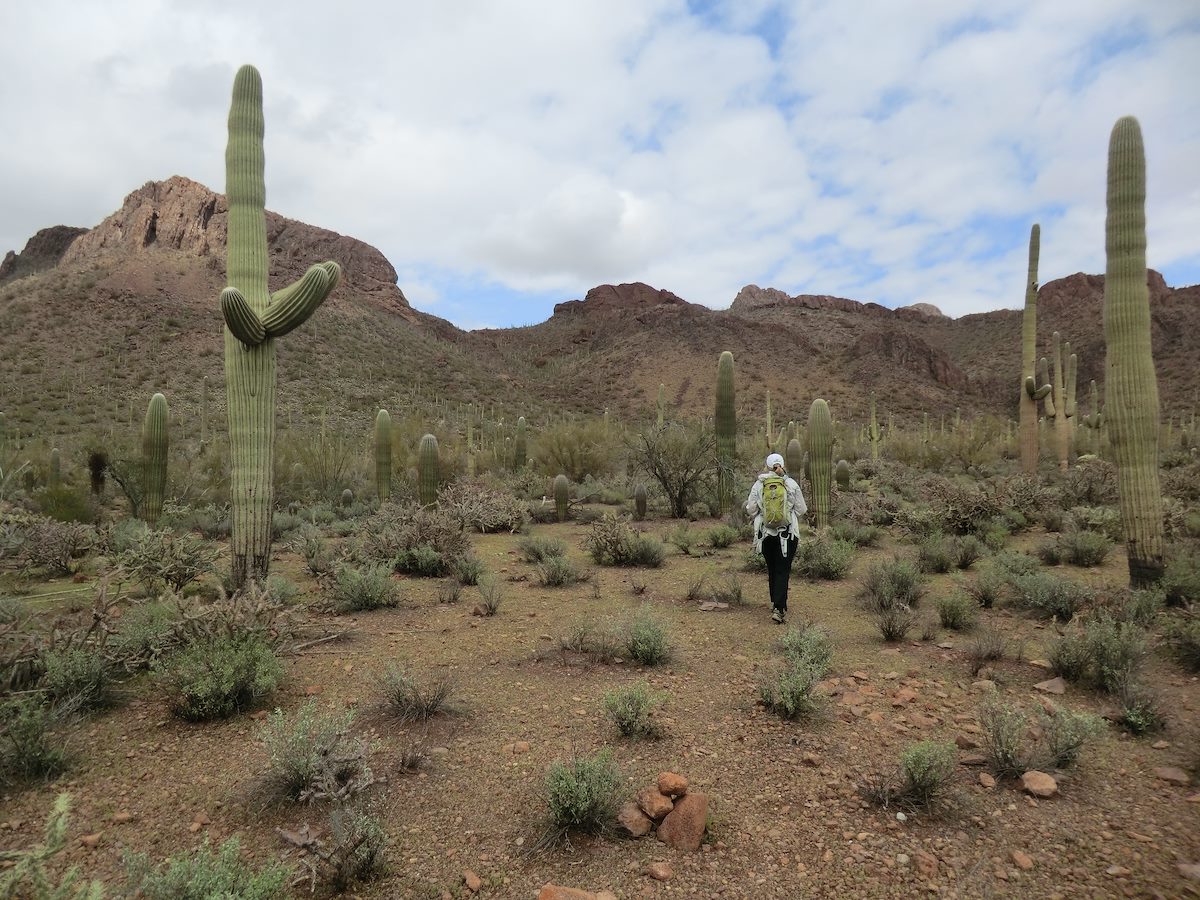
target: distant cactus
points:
(1094, 421)
(639, 502)
(519, 446)
(428, 469)
(347, 498)
(1059, 403)
(841, 473)
(1031, 391)
(770, 425)
(873, 433)
(1130, 386)
(725, 425)
(662, 404)
(55, 475)
(562, 493)
(820, 459)
(204, 410)
(383, 455)
(155, 442)
(793, 458)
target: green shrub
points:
(144, 633)
(613, 542)
(630, 709)
(987, 588)
(410, 700)
(1183, 638)
(682, 538)
(354, 590)
(414, 540)
(1050, 553)
(28, 746)
(808, 646)
(1063, 736)
(787, 691)
(1084, 548)
(203, 874)
(987, 646)
(1012, 748)
(1103, 655)
(313, 757)
(583, 794)
(26, 875)
(957, 611)
(1141, 712)
(78, 677)
(537, 550)
(926, 769)
(1105, 520)
(284, 590)
(967, 550)
(1181, 579)
(823, 559)
(721, 536)
(646, 641)
(994, 536)
(1047, 596)
(559, 571)
(936, 554)
(894, 583)
(755, 562)
(355, 849)
(468, 569)
(1013, 562)
(727, 589)
(216, 676)
(859, 535)
(423, 560)
(895, 622)
(490, 596)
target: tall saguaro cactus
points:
(155, 444)
(383, 454)
(873, 432)
(254, 318)
(820, 459)
(520, 450)
(1031, 390)
(1130, 386)
(428, 470)
(1060, 402)
(725, 425)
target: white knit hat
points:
(774, 460)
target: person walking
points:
(777, 504)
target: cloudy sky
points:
(509, 154)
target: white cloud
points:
(874, 150)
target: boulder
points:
(683, 828)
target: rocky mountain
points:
(100, 318)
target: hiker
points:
(777, 504)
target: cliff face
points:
(42, 251)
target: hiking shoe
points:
(777, 616)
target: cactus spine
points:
(383, 454)
(562, 490)
(428, 470)
(725, 425)
(820, 459)
(154, 458)
(1130, 386)
(873, 431)
(254, 318)
(639, 502)
(1031, 391)
(519, 446)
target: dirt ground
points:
(787, 820)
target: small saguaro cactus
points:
(1031, 391)
(1059, 403)
(639, 502)
(662, 404)
(1130, 386)
(793, 458)
(873, 432)
(725, 426)
(154, 458)
(1094, 421)
(254, 319)
(54, 477)
(841, 473)
(562, 492)
(820, 459)
(383, 454)
(204, 410)
(520, 450)
(428, 469)
(347, 498)
(770, 425)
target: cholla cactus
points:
(1130, 386)
(155, 443)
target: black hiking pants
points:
(779, 567)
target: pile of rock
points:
(677, 817)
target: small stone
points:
(972, 759)
(683, 828)
(313, 690)
(811, 759)
(1039, 784)
(1117, 871)
(654, 804)
(1172, 774)
(1053, 686)
(91, 841)
(901, 817)
(902, 859)
(671, 784)
(1160, 745)
(634, 821)
(965, 742)
(927, 864)
(120, 818)
(987, 780)
(659, 871)
(472, 881)
(903, 697)
(1190, 870)
(1040, 663)
(983, 685)
(1022, 860)
(520, 747)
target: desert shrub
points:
(13, 611)
(1141, 712)
(1047, 596)
(1050, 552)
(787, 691)
(310, 544)
(957, 611)
(1183, 639)
(1053, 519)
(895, 622)
(423, 561)
(583, 794)
(55, 546)
(808, 646)
(144, 633)
(282, 589)
(577, 449)
(630, 709)
(1013, 748)
(890, 584)
(313, 756)
(682, 538)
(354, 589)
(490, 596)
(987, 646)
(1083, 548)
(411, 700)
(475, 504)
(1104, 655)
(1063, 736)
(1090, 483)
(1181, 579)
(29, 747)
(613, 542)
(721, 536)
(755, 562)
(987, 588)
(859, 535)
(160, 559)
(64, 503)
(1013, 562)
(1105, 520)
(216, 676)
(559, 571)
(823, 559)
(355, 849)
(539, 549)
(591, 640)
(26, 875)
(926, 769)
(118, 537)
(680, 460)
(935, 554)
(726, 589)
(1070, 656)
(468, 569)
(646, 641)
(414, 540)
(202, 874)
(77, 676)
(450, 592)
(284, 523)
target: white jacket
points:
(796, 507)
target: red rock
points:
(521, 747)
(551, 891)
(965, 742)
(927, 864)
(987, 780)
(313, 689)
(472, 881)
(654, 804)
(120, 818)
(659, 871)
(671, 784)
(1172, 774)
(1039, 784)
(1190, 870)
(91, 841)
(903, 696)
(634, 821)
(683, 828)
(972, 759)
(1053, 686)
(1022, 860)
(1117, 871)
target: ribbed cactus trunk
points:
(820, 459)
(841, 474)
(155, 445)
(383, 455)
(428, 470)
(1031, 390)
(520, 448)
(639, 502)
(562, 493)
(725, 426)
(1130, 386)
(1060, 402)
(793, 458)
(1094, 422)
(253, 319)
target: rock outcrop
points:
(634, 297)
(42, 251)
